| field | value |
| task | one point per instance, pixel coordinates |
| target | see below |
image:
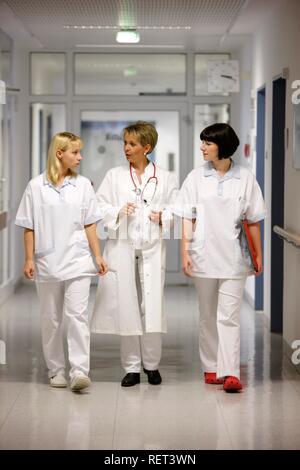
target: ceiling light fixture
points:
(128, 36)
(140, 28)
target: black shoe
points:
(130, 379)
(154, 377)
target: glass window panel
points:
(130, 74)
(201, 72)
(48, 71)
(46, 120)
(101, 132)
(5, 58)
(205, 115)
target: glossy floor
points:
(182, 413)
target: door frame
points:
(260, 175)
(277, 204)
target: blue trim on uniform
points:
(93, 220)
(25, 223)
(257, 218)
(234, 171)
(68, 180)
(220, 188)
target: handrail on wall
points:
(289, 237)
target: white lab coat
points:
(116, 308)
(217, 204)
(58, 217)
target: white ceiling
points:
(215, 25)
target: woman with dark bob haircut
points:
(212, 202)
(224, 136)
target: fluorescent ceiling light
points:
(144, 46)
(128, 36)
(154, 27)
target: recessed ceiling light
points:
(144, 46)
(128, 36)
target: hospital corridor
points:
(181, 413)
(149, 225)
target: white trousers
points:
(69, 300)
(141, 349)
(219, 324)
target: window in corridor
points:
(130, 74)
(101, 132)
(46, 120)
(205, 115)
(48, 73)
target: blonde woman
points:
(59, 212)
(134, 199)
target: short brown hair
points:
(144, 131)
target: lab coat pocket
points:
(79, 215)
(199, 228)
(197, 245)
(242, 257)
(197, 253)
(240, 208)
(43, 231)
(84, 245)
(105, 315)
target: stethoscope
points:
(141, 192)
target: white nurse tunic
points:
(58, 217)
(217, 205)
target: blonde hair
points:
(61, 141)
(145, 133)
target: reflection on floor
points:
(182, 413)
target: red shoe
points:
(211, 378)
(232, 384)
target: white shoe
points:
(80, 382)
(58, 381)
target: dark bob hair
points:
(224, 136)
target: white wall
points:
(243, 123)
(21, 145)
(276, 46)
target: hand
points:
(259, 266)
(155, 216)
(29, 269)
(128, 209)
(102, 266)
(187, 265)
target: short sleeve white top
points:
(58, 217)
(217, 205)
